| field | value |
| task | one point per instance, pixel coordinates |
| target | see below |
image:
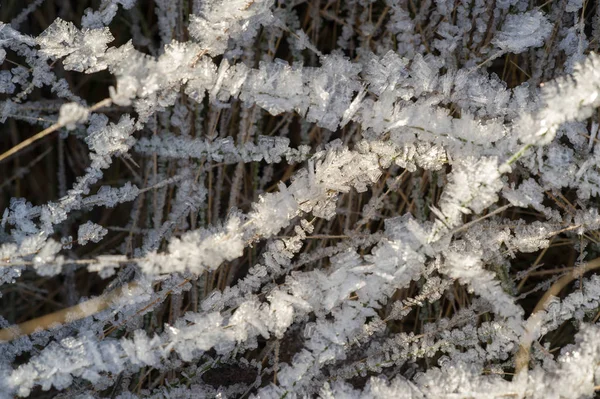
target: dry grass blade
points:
(523, 354)
(77, 312)
(104, 103)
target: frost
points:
(105, 265)
(522, 31)
(90, 232)
(528, 193)
(275, 211)
(583, 87)
(473, 186)
(71, 114)
(6, 85)
(46, 261)
(276, 87)
(111, 196)
(198, 250)
(84, 50)
(218, 21)
(113, 139)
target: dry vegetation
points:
(42, 169)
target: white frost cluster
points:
(221, 20)
(523, 31)
(84, 50)
(71, 114)
(90, 231)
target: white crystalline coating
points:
(529, 193)
(331, 90)
(90, 231)
(267, 149)
(473, 186)
(220, 20)
(467, 268)
(530, 238)
(274, 211)
(573, 5)
(71, 114)
(568, 98)
(6, 84)
(112, 139)
(105, 265)
(198, 250)
(58, 39)
(84, 50)
(46, 262)
(97, 19)
(276, 87)
(302, 41)
(110, 196)
(522, 31)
